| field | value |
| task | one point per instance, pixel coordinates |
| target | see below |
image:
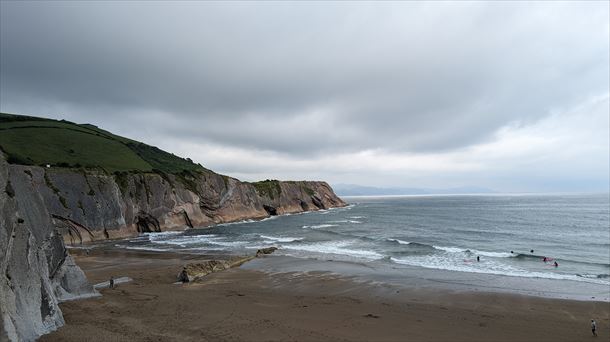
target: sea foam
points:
(319, 226)
(280, 239)
(336, 247)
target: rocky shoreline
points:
(43, 208)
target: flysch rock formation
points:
(36, 271)
(197, 270)
(43, 208)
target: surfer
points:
(544, 259)
(478, 258)
(555, 264)
(532, 251)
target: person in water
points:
(532, 251)
(478, 258)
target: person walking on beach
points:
(593, 328)
(111, 282)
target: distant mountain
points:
(359, 190)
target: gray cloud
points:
(304, 78)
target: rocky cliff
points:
(36, 271)
(88, 206)
(44, 207)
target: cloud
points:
(354, 89)
(567, 150)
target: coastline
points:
(249, 303)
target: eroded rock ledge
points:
(197, 270)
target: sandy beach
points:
(249, 305)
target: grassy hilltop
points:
(30, 140)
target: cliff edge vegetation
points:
(28, 140)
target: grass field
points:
(39, 141)
(268, 188)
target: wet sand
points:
(249, 305)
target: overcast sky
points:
(512, 96)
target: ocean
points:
(511, 235)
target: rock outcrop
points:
(36, 272)
(41, 208)
(196, 270)
(266, 250)
(89, 206)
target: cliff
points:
(89, 206)
(36, 270)
(141, 189)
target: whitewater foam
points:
(319, 226)
(200, 240)
(450, 249)
(235, 223)
(158, 235)
(487, 267)
(280, 239)
(336, 247)
(476, 252)
(594, 276)
(185, 240)
(401, 242)
(143, 248)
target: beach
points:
(248, 304)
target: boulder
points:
(267, 250)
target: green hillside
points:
(38, 141)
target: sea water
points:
(511, 235)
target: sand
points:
(250, 305)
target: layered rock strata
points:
(41, 208)
(89, 206)
(36, 272)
